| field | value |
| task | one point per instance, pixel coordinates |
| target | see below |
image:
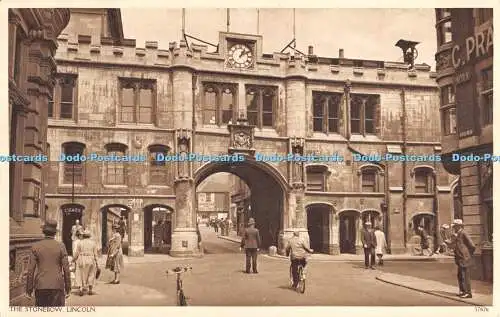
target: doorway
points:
(109, 215)
(71, 213)
(347, 232)
(152, 216)
(318, 226)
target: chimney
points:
(310, 50)
(341, 53)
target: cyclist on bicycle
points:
(298, 252)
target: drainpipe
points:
(387, 220)
(405, 195)
(435, 207)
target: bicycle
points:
(301, 285)
(181, 298)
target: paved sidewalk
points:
(132, 295)
(354, 257)
(435, 288)
(147, 258)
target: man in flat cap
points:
(464, 249)
(49, 260)
(369, 243)
(251, 242)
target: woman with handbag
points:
(86, 263)
(114, 262)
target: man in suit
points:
(251, 242)
(49, 260)
(464, 249)
(369, 243)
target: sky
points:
(362, 33)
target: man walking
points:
(369, 243)
(424, 241)
(298, 252)
(48, 271)
(75, 230)
(251, 242)
(464, 249)
(381, 245)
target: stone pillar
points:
(334, 247)
(136, 239)
(184, 237)
(359, 227)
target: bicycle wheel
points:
(291, 277)
(301, 286)
(182, 299)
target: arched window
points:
(424, 180)
(115, 170)
(370, 179)
(158, 173)
(73, 169)
(316, 178)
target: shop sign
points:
(474, 47)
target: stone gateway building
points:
(114, 98)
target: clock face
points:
(240, 56)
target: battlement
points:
(125, 51)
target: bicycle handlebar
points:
(179, 270)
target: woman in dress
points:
(86, 263)
(114, 262)
(78, 237)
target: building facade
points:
(32, 45)
(114, 98)
(465, 77)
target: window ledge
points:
(420, 195)
(368, 137)
(158, 186)
(213, 128)
(330, 136)
(115, 186)
(71, 185)
(266, 132)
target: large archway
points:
(157, 224)
(268, 194)
(70, 214)
(110, 214)
(319, 226)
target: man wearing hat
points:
(464, 249)
(369, 243)
(251, 242)
(49, 260)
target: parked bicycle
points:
(301, 285)
(181, 298)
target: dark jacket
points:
(464, 249)
(368, 238)
(251, 238)
(48, 267)
(424, 241)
